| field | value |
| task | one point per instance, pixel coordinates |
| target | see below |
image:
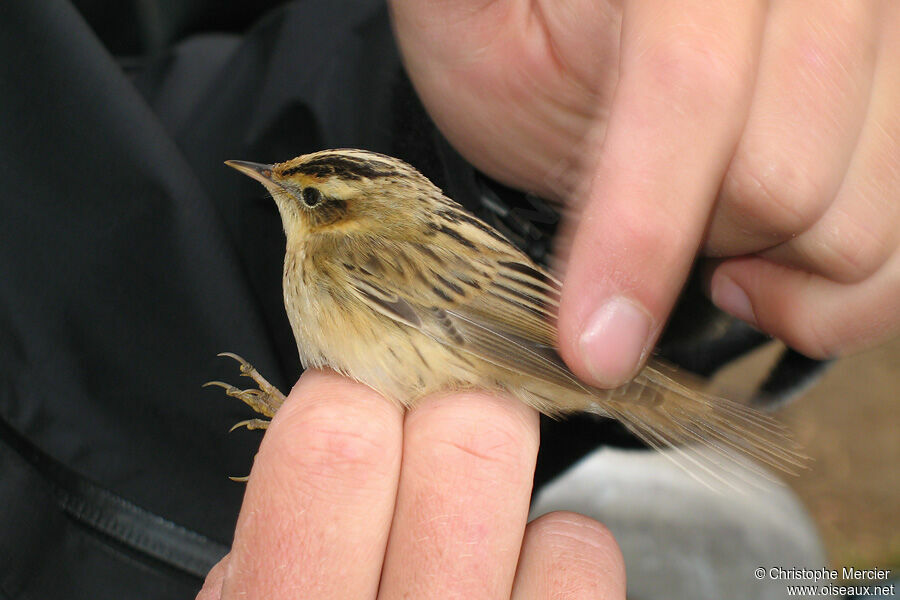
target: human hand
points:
(349, 499)
(763, 135)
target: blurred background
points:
(849, 423)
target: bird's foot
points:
(266, 400)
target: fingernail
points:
(731, 298)
(614, 340)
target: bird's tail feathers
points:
(665, 413)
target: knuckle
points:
(821, 339)
(807, 331)
(491, 448)
(487, 447)
(772, 196)
(852, 253)
(851, 323)
(694, 75)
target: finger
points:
(567, 555)
(861, 230)
(815, 316)
(684, 88)
(321, 494)
(808, 109)
(465, 487)
(212, 587)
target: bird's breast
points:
(335, 329)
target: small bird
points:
(390, 282)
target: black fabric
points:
(59, 530)
(131, 256)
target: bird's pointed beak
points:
(260, 172)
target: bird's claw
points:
(225, 386)
(251, 424)
(266, 400)
(246, 368)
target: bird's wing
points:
(499, 307)
(502, 309)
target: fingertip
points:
(565, 552)
(347, 421)
(733, 286)
(731, 298)
(584, 536)
(614, 340)
(813, 316)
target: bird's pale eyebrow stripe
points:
(346, 167)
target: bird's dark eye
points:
(311, 196)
